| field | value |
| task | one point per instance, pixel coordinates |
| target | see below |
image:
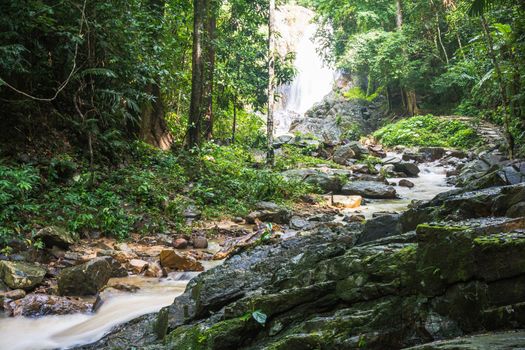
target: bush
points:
(428, 131)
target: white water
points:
(314, 80)
(62, 332)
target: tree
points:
(271, 82)
(197, 69)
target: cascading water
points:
(314, 80)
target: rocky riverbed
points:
(378, 262)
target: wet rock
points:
(354, 218)
(501, 340)
(346, 201)
(380, 227)
(171, 259)
(517, 210)
(192, 212)
(432, 153)
(406, 183)
(353, 150)
(137, 266)
(180, 243)
(391, 160)
(85, 279)
(283, 139)
(298, 223)
(37, 305)
(154, 270)
(369, 189)
(20, 275)
(326, 181)
(13, 294)
(200, 242)
(410, 169)
(269, 212)
(56, 236)
(415, 157)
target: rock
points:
(238, 220)
(380, 227)
(500, 341)
(406, 183)
(327, 181)
(415, 157)
(137, 266)
(180, 243)
(191, 212)
(20, 275)
(298, 223)
(432, 153)
(37, 305)
(517, 210)
(171, 259)
(283, 139)
(200, 242)
(354, 218)
(269, 212)
(347, 201)
(13, 294)
(56, 236)
(391, 160)
(369, 189)
(85, 279)
(410, 169)
(346, 152)
(117, 269)
(154, 270)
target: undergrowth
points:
(428, 130)
(146, 194)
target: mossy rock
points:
(20, 275)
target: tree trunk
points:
(234, 125)
(501, 84)
(399, 14)
(211, 24)
(271, 82)
(194, 120)
(153, 127)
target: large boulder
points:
(270, 212)
(380, 227)
(85, 279)
(37, 305)
(21, 275)
(346, 152)
(174, 260)
(432, 153)
(327, 180)
(56, 236)
(369, 189)
(410, 169)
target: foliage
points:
(292, 157)
(428, 131)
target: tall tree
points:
(271, 82)
(153, 128)
(194, 120)
(209, 66)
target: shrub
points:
(428, 131)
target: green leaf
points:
(260, 317)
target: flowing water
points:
(62, 332)
(314, 80)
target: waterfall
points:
(314, 80)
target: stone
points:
(410, 169)
(180, 243)
(298, 223)
(369, 189)
(517, 210)
(327, 181)
(37, 305)
(171, 259)
(349, 202)
(406, 183)
(380, 227)
(344, 153)
(137, 266)
(354, 218)
(283, 139)
(154, 270)
(269, 212)
(21, 275)
(56, 236)
(432, 153)
(85, 279)
(191, 212)
(415, 157)
(13, 294)
(200, 242)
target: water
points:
(431, 182)
(314, 80)
(62, 332)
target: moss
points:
(503, 239)
(430, 229)
(299, 341)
